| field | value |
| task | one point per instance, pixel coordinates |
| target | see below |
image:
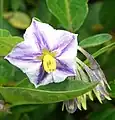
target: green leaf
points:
(70, 13)
(7, 43)
(95, 40)
(6, 72)
(9, 74)
(4, 33)
(50, 93)
(24, 108)
(104, 49)
(101, 51)
(18, 19)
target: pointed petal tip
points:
(90, 95)
(5, 57)
(76, 35)
(79, 107)
(107, 97)
(63, 106)
(97, 93)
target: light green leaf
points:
(4, 33)
(104, 49)
(18, 19)
(101, 51)
(46, 94)
(95, 40)
(7, 43)
(70, 13)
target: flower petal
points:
(65, 67)
(41, 75)
(48, 79)
(48, 37)
(41, 33)
(67, 49)
(38, 76)
(24, 57)
(29, 67)
(24, 51)
(67, 52)
(62, 71)
(65, 41)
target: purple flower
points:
(46, 55)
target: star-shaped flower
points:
(46, 55)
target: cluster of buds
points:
(88, 73)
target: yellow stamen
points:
(49, 63)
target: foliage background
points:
(100, 19)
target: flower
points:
(46, 55)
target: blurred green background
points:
(17, 15)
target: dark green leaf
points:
(24, 108)
(95, 40)
(105, 112)
(107, 17)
